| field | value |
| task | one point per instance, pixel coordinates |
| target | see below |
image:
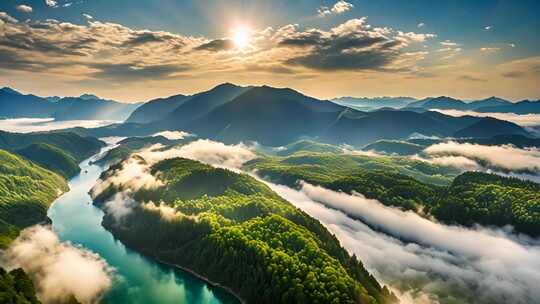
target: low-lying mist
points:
(426, 261)
(59, 270)
(27, 125)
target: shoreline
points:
(203, 278)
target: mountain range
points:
(488, 105)
(278, 116)
(85, 107)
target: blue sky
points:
(470, 35)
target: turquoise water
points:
(138, 279)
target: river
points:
(138, 279)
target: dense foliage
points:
(52, 158)
(394, 147)
(76, 146)
(471, 198)
(308, 145)
(26, 191)
(489, 199)
(234, 230)
(16, 288)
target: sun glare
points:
(241, 37)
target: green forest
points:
(16, 288)
(466, 199)
(230, 227)
(26, 192)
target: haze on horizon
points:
(137, 51)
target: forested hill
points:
(235, 231)
(471, 198)
(26, 191)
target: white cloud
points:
(488, 27)
(489, 49)
(448, 43)
(4, 17)
(23, 8)
(51, 3)
(520, 119)
(423, 258)
(505, 157)
(420, 25)
(27, 125)
(339, 8)
(173, 135)
(87, 16)
(59, 269)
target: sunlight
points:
(241, 36)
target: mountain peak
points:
(89, 97)
(10, 91)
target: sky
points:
(134, 51)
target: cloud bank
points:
(59, 269)
(427, 261)
(525, 120)
(339, 8)
(173, 135)
(27, 125)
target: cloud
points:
(505, 157)
(7, 18)
(51, 3)
(420, 25)
(353, 45)
(59, 269)
(448, 43)
(471, 78)
(526, 120)
(339, 8)
(23, 8)
(488, 27)
(27, 125)
(427, 261)
(527, 69)
(173, 135)
(135, 172)
(216, 45)
(490, 49)
(87, 16)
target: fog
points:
(173, 135)
(423, 259)
(525, 120)
(27, 125)
(59, 270)
(506, 157)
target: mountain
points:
(366, 104)
(157, 109)
(267, 115)
(87, 107)
(488, 102)
(442, 102)
(52, 158)
(488, 127)
(522, 107)
(13, 104)
(91, 107)
(26, 191)
(203, 103)
(394, 147)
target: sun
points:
(241, 37)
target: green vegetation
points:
(76, 146)
(489, 199)
(52, 158)
(237, 232)
(26, 191)
(471, 198)
(394, 147)
(308, 145)
(16, 288)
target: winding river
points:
(138, 279)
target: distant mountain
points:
(366, 104)
(89, 107)
(488, 127)
(442, 102)
(522, 107)
(394, 147)
(157, 109)
(488, 102)
(202, 103)
(93, 108)
(267, 115)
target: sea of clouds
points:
(27, 125)
(59, 270)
